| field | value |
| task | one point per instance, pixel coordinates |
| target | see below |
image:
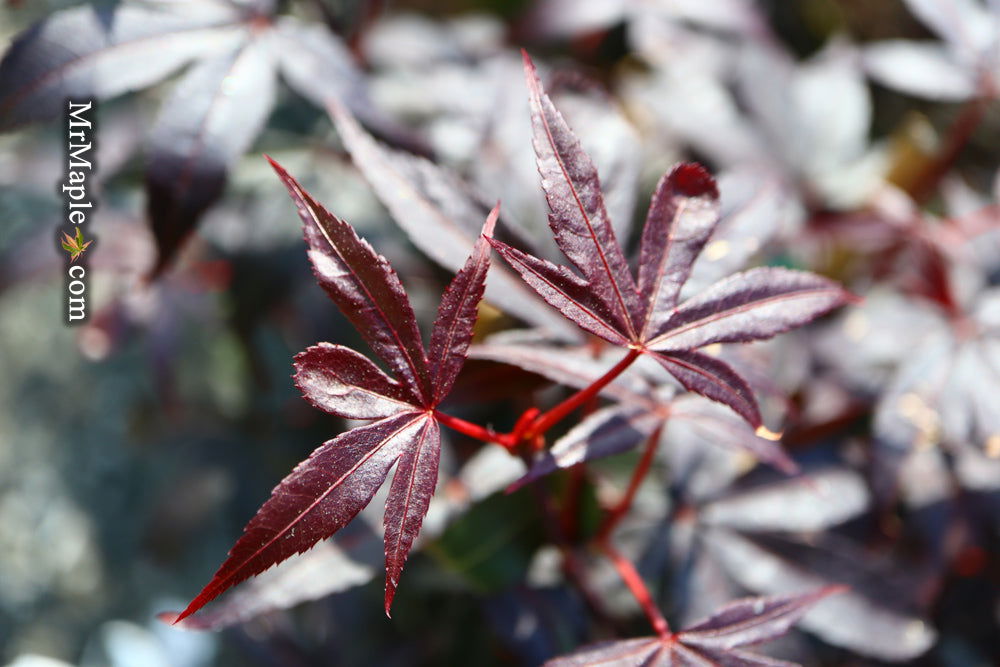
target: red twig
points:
(549, 419)
(530, 425)
(958, 136)
(635, 584)
(639, 474)
(474, 430)
(571, 565)
(571, 508)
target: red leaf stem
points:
(549, 419)
(639, 474)
(635, 584)
(475, 430)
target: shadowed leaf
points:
(713, 641)
(607, 432)
(203, 128)
(99, 53)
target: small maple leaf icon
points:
(74, 245)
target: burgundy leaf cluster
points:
(643, 315)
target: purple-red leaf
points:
(682, 215)
(317, 499)
(365, 288)
(206, 124)
(619, 653)
(752, 305)
(752, 621)
(563, 290)
(714, 641)
(345, 383)
(456, 318)
(340, 478)
(86, 52)
(439, 214)
(713, 379)
(409, 497)
(577, 214)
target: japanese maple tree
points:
(641, 313)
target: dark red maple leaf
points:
(717, 640)
(337, 481)
(644, 315)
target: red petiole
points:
(635, 584)
(533, 423)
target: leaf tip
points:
(766, 433)
(526, 59)
(531, 74)
(168, 617)
(282, 173)
(822, 593)
(491, 221)
(835, 589)
(390, 594)
(852, 298)
(693, 180)
(516, 486)
(337, 111)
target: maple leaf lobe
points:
(693, 180)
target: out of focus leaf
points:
(206, 124)
(99, 53)
(964, 66)
(813, 503)
(712, 641)
(321, 571)
(921, 69)
(870, 618)
(439, 213)
(491, 546)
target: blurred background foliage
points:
(134, 448)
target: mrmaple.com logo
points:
(78, 205)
